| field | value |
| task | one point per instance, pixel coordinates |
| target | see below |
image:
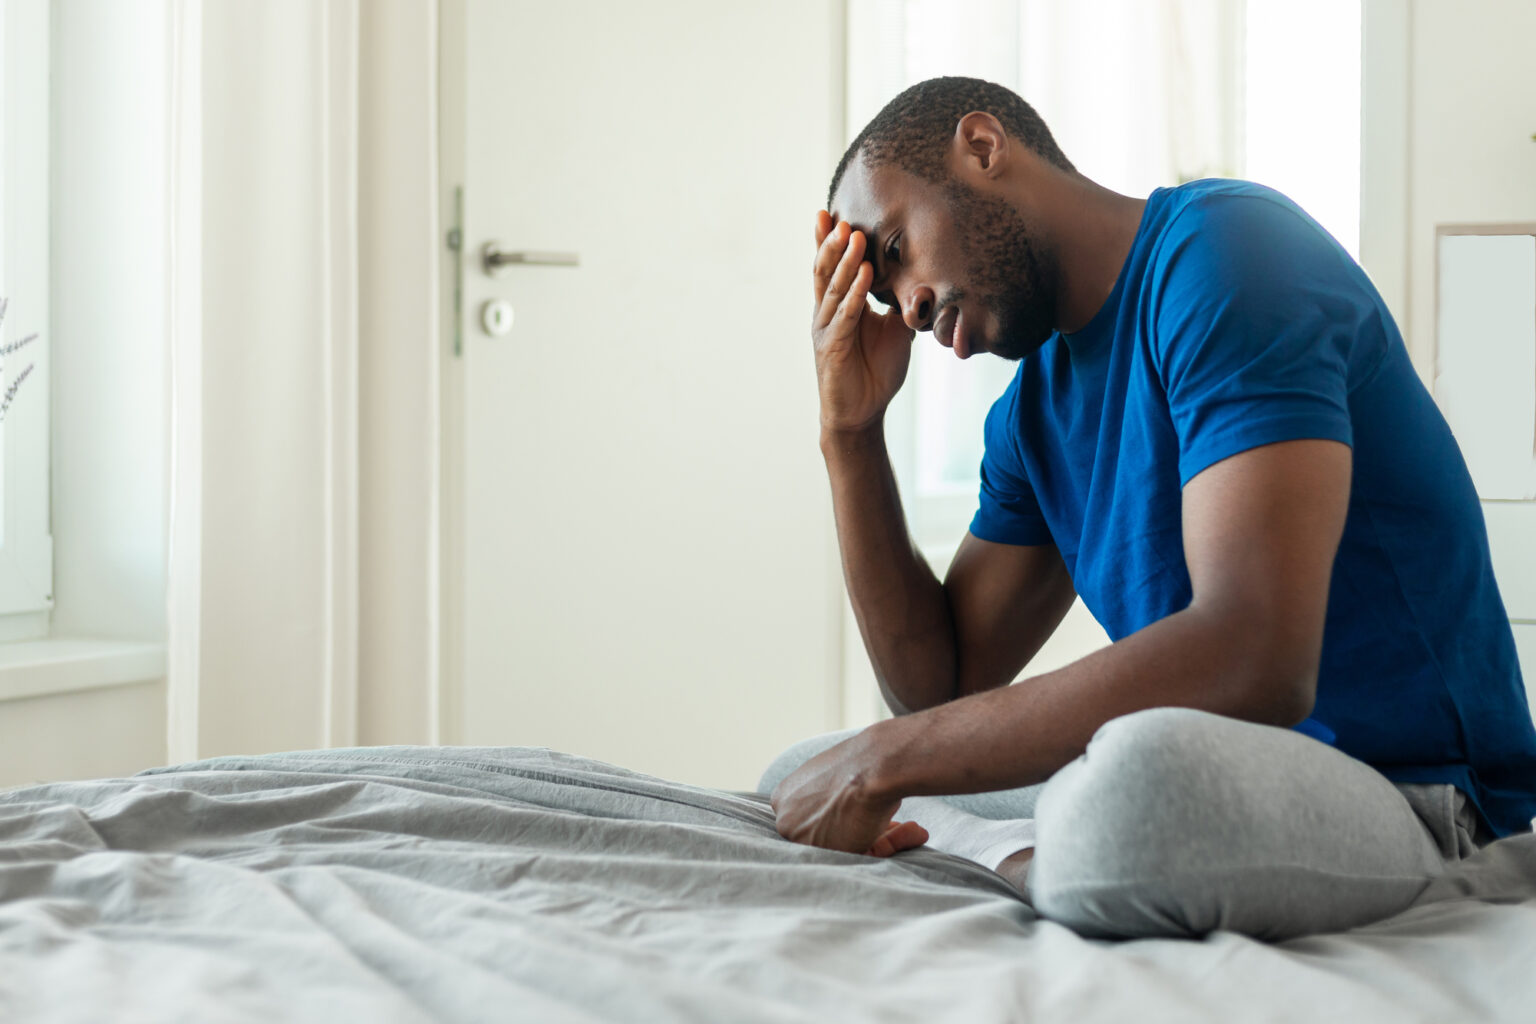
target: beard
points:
(1014, 276)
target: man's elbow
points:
(1285, 699)
(1281, 683)
(1272, 662)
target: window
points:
(26, 549)
(1140, 94)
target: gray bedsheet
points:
(467, 884)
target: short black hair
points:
(914, 130)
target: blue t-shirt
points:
(1236, 322)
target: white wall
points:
(1470, 156)
(1464, 118)
(89, 734)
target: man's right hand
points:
(861, 355)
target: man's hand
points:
(827, 802)
(861, 355)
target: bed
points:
(480, 884)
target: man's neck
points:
(1092, 230)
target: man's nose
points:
(917, 310)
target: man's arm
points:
(1260, 533)
(928, 642)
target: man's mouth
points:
(950, 330)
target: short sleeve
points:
(1007, 511)
(1255, 320)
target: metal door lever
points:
(493, 258)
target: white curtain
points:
(265, 607)
(1140, 93)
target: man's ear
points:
(981, 144)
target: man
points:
(1216, 439)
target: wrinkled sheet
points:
(496, 884)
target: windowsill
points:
(38, 668)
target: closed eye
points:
(890, 254)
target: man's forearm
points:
(900, 604)
(1022, 734)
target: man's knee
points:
(1123, 826)
(1140, 836)
(1161, 769)
(796, 755)
(1179, 822)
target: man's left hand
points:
(830, 801)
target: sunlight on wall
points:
(1303, 108)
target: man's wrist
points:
(886, 762)
(843, 440)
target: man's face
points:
(952, 260)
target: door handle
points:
(493, 258)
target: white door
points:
(645, 569)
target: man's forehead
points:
(866, 198)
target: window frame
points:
(26, 546)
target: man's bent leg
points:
(1179, 822)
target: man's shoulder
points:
(1222, 196)
(1225, 237)
(1220, 209)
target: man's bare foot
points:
(1016, 868)
(899, 836)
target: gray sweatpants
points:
(1177, 822)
